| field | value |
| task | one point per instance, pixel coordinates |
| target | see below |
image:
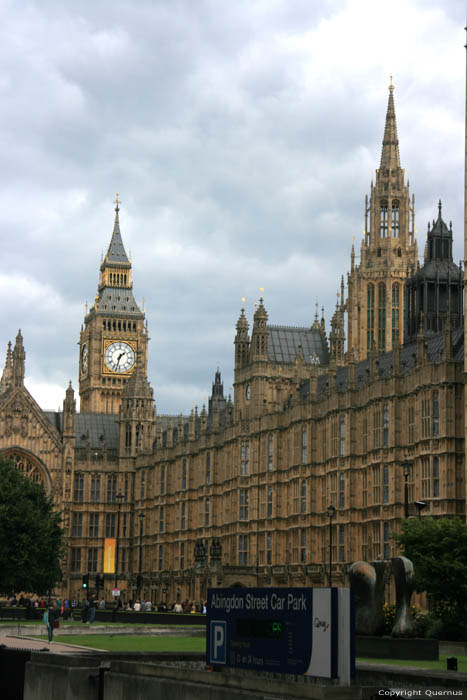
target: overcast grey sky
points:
(242, 137)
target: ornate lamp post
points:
(331, 516)
(141, 517)
(420, 506)
(406, 466)
(119, 499)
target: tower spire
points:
(390, 158)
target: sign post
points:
(305, 631)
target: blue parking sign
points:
(217, 641)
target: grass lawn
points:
(130, 642)
(432, 665)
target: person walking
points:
(50, 612)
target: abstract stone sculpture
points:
(367, 582)
(402, 568)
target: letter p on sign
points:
(218, 642)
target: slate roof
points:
(118, 300)
(435, 350)
(284, 341)
(99, 428)
(116, 252)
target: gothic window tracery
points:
(395, 218)
(27, 465)
(381, 316)
(370, 316)
(383, 219)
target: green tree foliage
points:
(438, 550)
(31, 538)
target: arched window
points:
(435, 414)
(370, 316)
(342, 437)
(395, 312)
(383, 220)
(381, 317)
(395, 218)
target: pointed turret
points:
(259, 335)
(216, 402)
(7, 376)
(390, 158)
(242, 340)
(19, 357)
(115, 270)
(69, 412)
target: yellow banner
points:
(109, 555)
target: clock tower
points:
(114, 332)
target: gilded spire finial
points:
(391, 86)
(117, 202)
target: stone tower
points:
(114, 332)
(375, 302)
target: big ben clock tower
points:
(114, 331)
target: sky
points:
(242, 138)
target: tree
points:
(438, 550)
(31, 537)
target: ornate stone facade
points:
(238, 492)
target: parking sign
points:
(218, 641)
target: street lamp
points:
(331, 516)
(406, 466)
(119, 499)
(420, 506)
(140, 575)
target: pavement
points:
(13, 641)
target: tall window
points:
(365, 435)
(182, 516)
(377, 428)
(383, 220)
(395, 312)
(184, 474)
(110, 525)
(95, 489)
(376, 474)
(243, 504)
(78, 488)
(426, 477)
(128, 435)
(435, 477)
(342, 437)
(411, 423)
(126, 489)
(303, 546)
(385, 484)
(269, 503)
(111, 488)
(77, 525)
(270, 453)
(435, 413)
(341, 543)
(370, 334)
(303, 496)
(207, 512)
(208, 468)
(92, 559)
(364, 488)
(75, 559)
(269, 548)
(385, 425)
(395, 218)
(162, 479)
(161, 518)
(182, 555)
(341, 490)
(243, 550)
(245, 457)
(122, 552)
(124, 524)
(94, 525)
(381, 316)
(161, 557)
(304, 445)
(143, 484)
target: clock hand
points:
(119, 358)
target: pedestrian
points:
(85, 611)
(50, 621)
(92, 610)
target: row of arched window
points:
(113, 325)
(384, 219)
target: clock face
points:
(84, 359)
(119, 357)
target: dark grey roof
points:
(408, 353)
(284, 341)
(101, 429)
(116, 252)
(118, 300)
